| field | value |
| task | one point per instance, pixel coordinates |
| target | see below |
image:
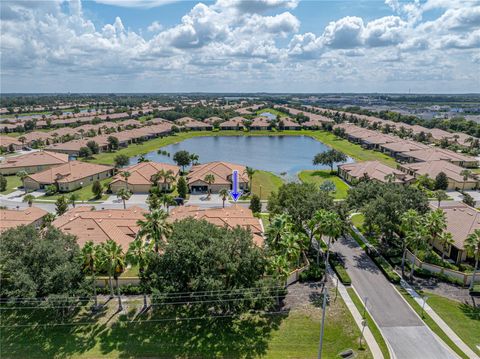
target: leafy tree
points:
(182, 159)
(325, 223)
(97, 189)
(22, 175)
(113, 143)
(155, 228)
(121, 160)
(93, 146)
(255, 204)
(300, 201)
(29, 198)
(223, 195)
(73, 198)
(329, 158)
(137, 255)
(85, 152)
(182, 187)
(200, 256)
(441, 181)
(472, 245)
(90, 257)
(3, 183)
(125, 175)
(50, 190)
(328, 186)
(61, 205)
(39, 263)
(466, 175)
(194, 158)
(153, 201)
(113, 261)
(409, 225)
(124, 194)
(468, 200)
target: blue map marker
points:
(235, 193)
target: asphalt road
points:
(405, 332)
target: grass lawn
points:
(476, 170)
(357, 220)
(265, 217)
(12, 183)
(462, 318)
(157, 334)
(84, 193)
(268, 181)
(371, 324)
(318, 177)
(429, 321)
(350, 149)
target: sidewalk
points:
(440, 322)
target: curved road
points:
(405, 332)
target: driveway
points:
(405, 332)
(202, 200)
(457, 196)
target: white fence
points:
(464, 278)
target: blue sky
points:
(427, 46)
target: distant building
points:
(373, 170)
(10, 218)
(32, 162)
(221, 171)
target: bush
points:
(313, 273)
(475, 291)
(3, 183)
(255, 204)
(423, 273)
(385, 267)
(338, 267)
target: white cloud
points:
(155, 27)
(344, 33)
(147, 4)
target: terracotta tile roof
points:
(6, 141)
(404, 146)
(260, 122)
(288, 122)
(380, 138)
(189, 122)
(98, 226)
(69, 172)
(462, 220)
(375, 170)
(35, 136)
(222, 171)
(74, 145)
(38, 158)
(12, 218)
(433, 168)
(233, 122)
(230, 217)
(212, 120)
(434, 154)
(142, 173)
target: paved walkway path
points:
(401, 327)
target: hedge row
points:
(338, 267)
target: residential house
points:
(260, 123)
(229, 217)
(393, 149)
(32, 162)
(436, 154)
(140, 180)
(7, 143)
(222, 173)
(286, 123)
(433, 168)
(98, 226)
(69, 176)
(194, 125)
(235, 123)
(374, 170)
(10, 218)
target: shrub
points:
(3, 183)
(385, 267)
(255, 204)
(313, 273)
(338, 267)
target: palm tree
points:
(124, 194)
(155, 228)
(224, 195)
(440, 195)
(28, 198)
(167, 201)
(194, 158)
(330, 225)
(164, 176)
(137, 255)
(22, 175)
(90, 259)
(466, 174)
(279, 225)
(210, 179)
(125, 175)
(410, 221)
(73, 198)
(472, 245)
(435, 223)
(114, 263)
(446, 240)
(250, 172)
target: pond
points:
(277, 154)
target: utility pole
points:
(325, 293)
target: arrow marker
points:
(235, 193)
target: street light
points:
(423, 305)
(324, 305)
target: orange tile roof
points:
(141, 173)
(6, 141)
(222, 172)
(38, 158)
(69, 172)
(12, 218)
(375, 170)
(433, 168)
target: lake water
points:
(278, 154)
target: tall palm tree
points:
(164, 176)
(194, 158)
(409, 223)
(472, 245)
(114, 263)
(137, 255)
(28, 198)
(440, 195)
(279, 225)
(155, 228)
(435, 223)
(210, 179)
(167, 201)
(22, 175)
(331, 226)
(466, 174)
(90, 259)
(446, 240)
(124, 194)
(250, 172)
(224, 195)
(125, 175)
(72, 198)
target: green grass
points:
(12, 183)
(357, 220)
(131, 272)
(268, 181)
(84, 193)
(476, 170)
(320, 176)
(265, 217)
(350, 149)
(462, 318)
(430, 322)
(371, 323)
(155, 334)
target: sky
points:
(417, 46)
